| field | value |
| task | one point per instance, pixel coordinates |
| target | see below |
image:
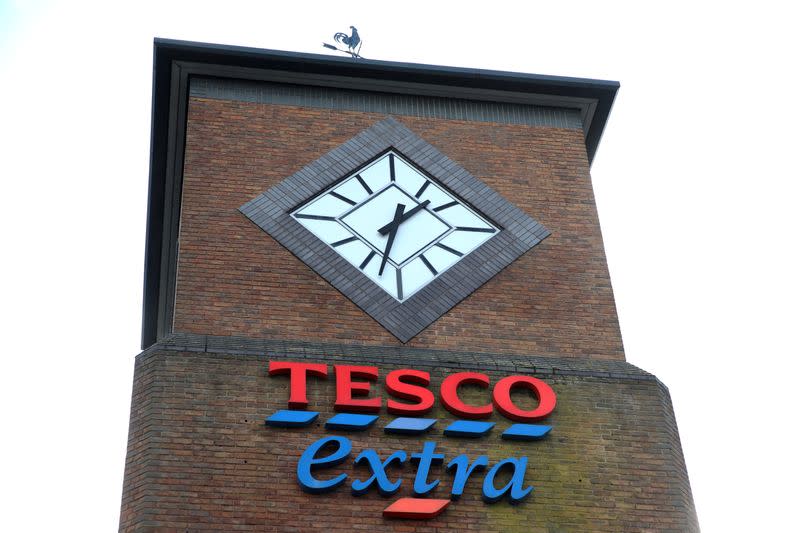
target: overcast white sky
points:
(696, 181)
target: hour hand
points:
(395, 223)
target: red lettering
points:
(448, 394)
(542, 391)
(346, 388)
(297, 379)
(409, 384)
(412, 385)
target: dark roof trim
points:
(393, 76)
(175, 61)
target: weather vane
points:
(353, 43)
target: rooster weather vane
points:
(353, 43)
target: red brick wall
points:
(201, 459)
(233, 279)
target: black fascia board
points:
(168, 53)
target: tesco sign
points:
(410, 398)
(413, 385)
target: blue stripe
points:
(468, 428)
(291, 419)
(349, 421)
(526, 432)
(410, 426)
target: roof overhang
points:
(175, 62)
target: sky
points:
(696, 182)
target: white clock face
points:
(395, 224)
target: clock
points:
(395, 224)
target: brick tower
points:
(376, 298)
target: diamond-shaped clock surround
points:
(271, 211)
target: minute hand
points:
(398, 213)
(394, 223)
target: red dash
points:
(416, 508)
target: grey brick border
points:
(519, 232)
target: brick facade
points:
(233, 279)
(223, 298)
(201, 458)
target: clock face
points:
(397, 225)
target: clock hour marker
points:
(445, 206)
(367, 259)
(481, 230)
(399, 284)
(391, 167)
(422, 189)
(451, 250)
(428, 264)
(342, 198)
(314, 217)
(363, 183)
(343, 241)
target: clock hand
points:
(394, 223)
(398, 213)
